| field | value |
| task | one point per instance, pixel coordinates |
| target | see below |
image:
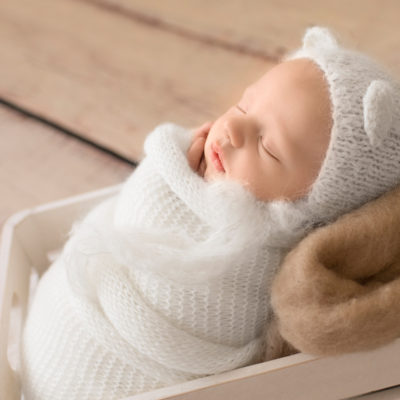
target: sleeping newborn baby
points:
(273, 152)
(169, 280)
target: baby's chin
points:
(211, 175)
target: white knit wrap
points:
(166, 282)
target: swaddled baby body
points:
(169, 280)
(166, 282)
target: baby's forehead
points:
(301, 71)
(292, 87)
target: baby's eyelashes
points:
(267, 150)
(240, 109)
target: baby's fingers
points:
(203, 130)
(195, 153)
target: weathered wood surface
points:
(38, 165)
(267, 28)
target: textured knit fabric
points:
(338, 291)
(363, 158)
(166, 282)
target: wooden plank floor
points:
(39, 164)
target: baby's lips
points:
(217, 157)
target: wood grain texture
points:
(270, 28)
(38, 165)
(106, 76)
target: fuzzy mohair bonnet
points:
(363, 156)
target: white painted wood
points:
(297, 377)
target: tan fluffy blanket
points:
(339, 289)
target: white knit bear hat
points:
(363, 156)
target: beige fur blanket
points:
(339, 289)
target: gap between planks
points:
(168, 27)
(63, 130)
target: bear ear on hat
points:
(319, 38)
(378, 104)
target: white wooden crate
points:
(29, 236)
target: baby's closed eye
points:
(241, 109)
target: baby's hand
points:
(195, 154)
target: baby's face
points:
(273, 141)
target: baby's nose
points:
(240, 130)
